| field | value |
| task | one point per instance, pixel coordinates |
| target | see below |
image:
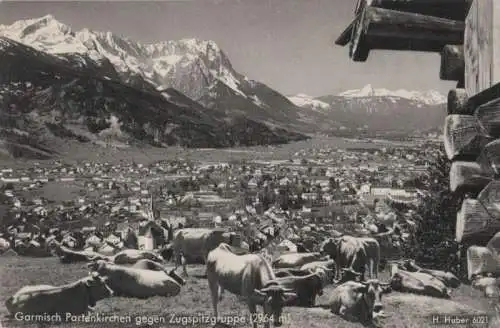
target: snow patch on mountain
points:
(430, 97)
(303, 100)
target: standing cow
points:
(249, 276)
(194, 244)
(354, 253)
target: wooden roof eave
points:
(345, 36)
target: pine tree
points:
(434, 241)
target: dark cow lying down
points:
(137, 283)
(417, 283)
(448, 278)
(358, 301)
(75, 298)
(305, 284)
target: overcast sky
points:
(287, 44)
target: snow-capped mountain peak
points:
(162, 63)
(430, 97)
(303, 100)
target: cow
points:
(327, 268)
(249, 276)
(417, 283)
(291, 273)
(348, 275)
(355, 253)
(358, 301)
(67, 255)
(4, 245)
(307, 287)
(131, 256)
(448, 278)
(194, 244)
(136, 283)
(151, 265)
(489, 285)
(292, 260)
(76, 298)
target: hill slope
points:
(44, 98)
(197, 68)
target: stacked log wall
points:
(472, 135)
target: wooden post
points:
(457, 102)
(452, 63)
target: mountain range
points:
(98, 87)
(379, 112)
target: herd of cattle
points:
(351, 264)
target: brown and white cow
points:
(249, 276)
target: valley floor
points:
(73, 152)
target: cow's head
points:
(97, 288)
(273, 298)
(409, 265)
(97, 265)
(372, 295)
(331, 246)
(320, 281)
(172, 274)
(348, 274)
(326, 274)
(396, 281)
(167, 252)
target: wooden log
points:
(480, 261)
(452, 63)
(488, 116)
(409, 31)
(462, 137)
(378, 28)
(482, 46)
(494, 244)
(468, 177)
(489, 159)
(474, 222)
(457, 102)
(490, 198)
(450, 9)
